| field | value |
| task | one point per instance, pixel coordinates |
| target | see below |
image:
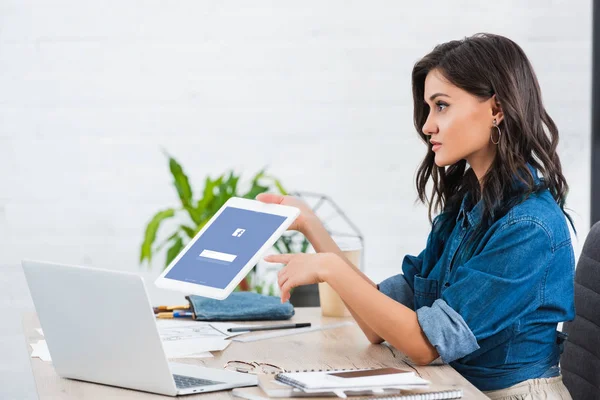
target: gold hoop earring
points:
(492, 134)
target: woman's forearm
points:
(322, 242)
(387, 318)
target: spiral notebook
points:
(356, 379)
(269, 387)
(440, 393)
(274, 388)
(433, 392)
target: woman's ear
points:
(497, 112)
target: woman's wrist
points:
(314, 231)
(306, 224)
(330, 268)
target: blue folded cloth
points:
(240, 306)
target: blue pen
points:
(182, 314)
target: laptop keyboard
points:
(184, 382)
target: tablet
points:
(227, 247)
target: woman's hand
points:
(306, 214)
(302, 269)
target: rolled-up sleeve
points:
(398, 289)
(447, 331)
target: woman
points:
(496, 275)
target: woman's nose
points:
(429, 128)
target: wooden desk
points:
(344, 347)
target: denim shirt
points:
(494, 317)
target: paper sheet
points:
(206, 354)
(170, 330)
(193, 347)
(181, 339)
(185, 339)
(40, 350)
(286, 332)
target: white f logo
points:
(238, 232)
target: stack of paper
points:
(181, 339)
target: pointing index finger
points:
(279, 258)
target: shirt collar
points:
(475, 214)
(468, 213)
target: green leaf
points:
(280, 187)
(167, 240)
(181, 182)
(203, 210)
(277, 184)
(286, 240)
(207, 195)
(195, 215)
(305, 244)
(191, 232)
(258, 175)
(209, 205)
(276, 245)
(224, 191)
(173, 251)
(255, 190)
(233, 182)
(150, 234)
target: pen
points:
(268, 327)
(182, 314)
(170, 308)
(175, 314)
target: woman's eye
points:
(441, 106)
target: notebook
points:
(274, 388)
(433, 392)
(359, 379)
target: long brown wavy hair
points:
(486, 65)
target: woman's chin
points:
(442, 161)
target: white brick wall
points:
(319, 91)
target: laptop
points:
(100, 327)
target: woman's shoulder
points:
(542, 210)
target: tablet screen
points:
(225, 247)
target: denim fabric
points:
(494, 317)
(398, 289)
(241, 306)
(552, 372)
(447, 330)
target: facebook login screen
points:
(225, 247)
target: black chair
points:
(580, 361)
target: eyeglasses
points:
(252, 367)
